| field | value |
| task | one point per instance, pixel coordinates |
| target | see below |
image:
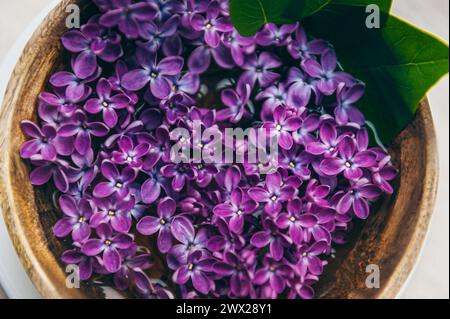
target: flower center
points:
(191, 266)
(278, 127)
(81, 220)
(274, 198)
(129, 159)
(119, 185)
(154, 75)
(209, 26)
(292, 164)
(272, 269)
(292, 219)
(348, 164)
(108, 242)
(259, 69)
(105, 104)
(162, 222)
(239, 212)
(111, 213)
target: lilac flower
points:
(114, 211)
(350, 161)
(76, 88)
(274, 273)
(153, 72)
(108, 244)
(306, 133)
(345, 110)
(212, 24)
(188, 8)
(106, 103)
(130, 154)
(76, 219)
(225, 240)
(127, 16)
(328, 143)
(383, 174)
(150, 289)
(166, 225)
(189, 244)
(273, 194)
(309, 260)
(326, 73)
(155, 35)
(132, 268)
(180, 174)
(86, 265)
(234, 267)
(239, 206)
(64, 105)
(118, 182)
(238, 45)
(273, 97)
(151, 188)
(297, 161)
(83, 131)
(273, 238)
(295, 221)
(258, 69)
(283, 126)
(42, 142)
(357, 198)
(196, 269)
(236, 103)
(200, 59)
(272, 35)
(44, 171)
(301, 48)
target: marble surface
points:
(431, 277)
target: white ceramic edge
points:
(13, 278)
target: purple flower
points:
(309, 260)
(258, 69)
(350, 161)
(108, 244)
(76, 88)
(76, 219)
(328, 143)
(196, 269)
(233, 266)
(238, 45)
(83, 131)
(283, 126)
(156, 35)
(272, 35)
(212, 25)
(295, 221)
(106, 103)
(114, 211)
(42, 142)
(301, 48)
(180, 174)
(272, 237)
(325, 72)
(189, 244)
(236, 103)
(128, 16)
(153, 72)
(274, 273)
(118, 182)
(166, 225)
(86, 264)
(200, 59)
(273, 194)
(383, 174)
(45, 170)
(239, 206)
(130, 154)
(273, 97)
(345, 110)
(357, 198)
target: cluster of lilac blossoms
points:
(139, 70)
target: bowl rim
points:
(48, 282)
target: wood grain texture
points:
(391, 238)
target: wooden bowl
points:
(392, 237)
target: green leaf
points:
(398, 62)
(248, 16)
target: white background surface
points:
(431, 277)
